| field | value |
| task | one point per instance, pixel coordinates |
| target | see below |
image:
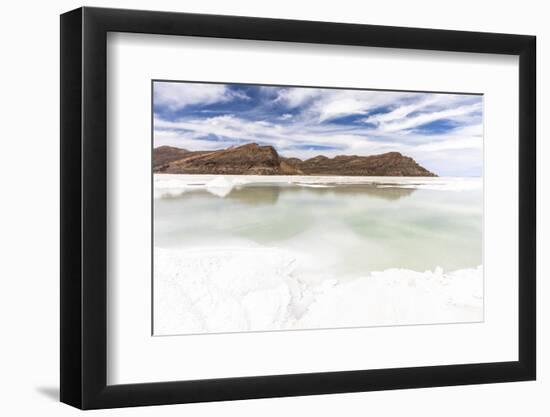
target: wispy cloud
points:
(285, 116)
(180, 95)
(401, 119)
(327, 104)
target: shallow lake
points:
(347, 229)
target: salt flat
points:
(259, 253)
(258, 289)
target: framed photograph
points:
(258, 208)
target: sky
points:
(442, 132)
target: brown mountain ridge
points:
(253, 159)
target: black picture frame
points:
(84, 207)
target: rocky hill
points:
(165, 154)
(391, 164)
(253, 159)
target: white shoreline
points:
(166, 185)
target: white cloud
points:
(188, 141)
(294, 97)
(322, 105)
(470, 142)
(402, 111)
(403, 123)
(341, 106)
(179, 95)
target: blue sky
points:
(443, 132)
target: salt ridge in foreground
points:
(207, 290)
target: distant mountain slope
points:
(387, 164)
(166, 154)
(253, 159)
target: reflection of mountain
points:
(269, 194)
(255, 195)
(389, 193)
(252, 159)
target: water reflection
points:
(347, 228)
(263, 194)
